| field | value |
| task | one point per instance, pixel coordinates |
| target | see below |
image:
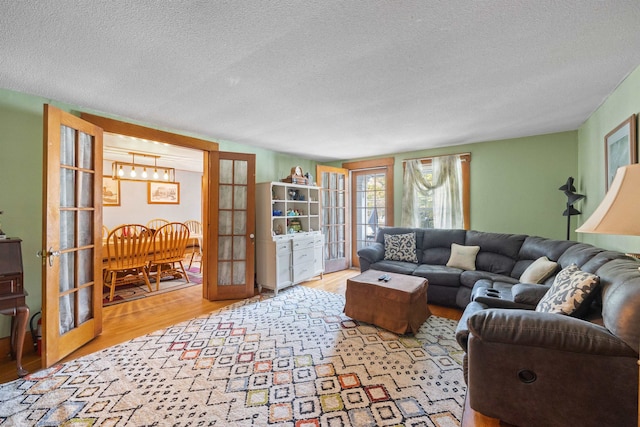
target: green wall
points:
(514, 183)
(21, 126)
(621, 104)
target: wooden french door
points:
(334, 196)
(72, 233)
(233, 226)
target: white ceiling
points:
(327, 79)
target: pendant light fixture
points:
(120, 169)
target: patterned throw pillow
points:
(570, 288)
(400, 247)
(538, 271)
(463, 257)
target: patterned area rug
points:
(139, 290)
(292, 360)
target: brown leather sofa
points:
(525, 367)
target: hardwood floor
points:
(126, 321)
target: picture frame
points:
(110, 191)
(620, 148)
(163, 193)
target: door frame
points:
(209, 188)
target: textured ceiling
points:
(327, 79)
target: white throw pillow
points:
(538, 271)
(463, 257)
(400, 247)
(570, 288)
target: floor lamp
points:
(572, 197)
(618, 212)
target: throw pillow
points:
(400, 247)
(538, 271)
(463, 257)
(570, 289)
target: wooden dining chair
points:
(156, 223)
(169, 247)
(195, 228)
(127, 253)
(105, 232)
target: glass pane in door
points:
(369, 206)
(232, 229)
(76, 228)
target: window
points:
(424, 202)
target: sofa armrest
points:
(546, 330)
(528, 293)
(372, 253)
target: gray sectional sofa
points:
(526, 367)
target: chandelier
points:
(141, 171)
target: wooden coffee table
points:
(398, 305)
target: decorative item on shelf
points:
(294, 225)
(617, 212)
(277, 212)
(128, 171)
(294, 194)
(572, 197)
(296, 177)
(310, 180)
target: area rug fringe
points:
(291, 360)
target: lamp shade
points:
(618, 212)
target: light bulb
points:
(120, 171)
(144, 173)
(155, 174)
(133, 172)
(166, 175)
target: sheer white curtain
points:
(447, 192)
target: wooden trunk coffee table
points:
(398, 305)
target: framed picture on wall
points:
(163, 193)
(620, 148)
(110, 191)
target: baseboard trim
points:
(5, 344)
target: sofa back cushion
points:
(535, 247)
(436, 245)
(578, 254)
(498, 252)
(620, 284)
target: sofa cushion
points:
(539, 270)
(463, 257)
(578, 254)
(534, 247)
(570, 288)
(498, 252)
(399, 267)
(439, 274)
(469, 278)
(436, 245)
(400, 247)
(528, 293)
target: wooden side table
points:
(13, 295)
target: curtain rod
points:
(441, 155)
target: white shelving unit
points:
(288, 237)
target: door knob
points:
(49, 254)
